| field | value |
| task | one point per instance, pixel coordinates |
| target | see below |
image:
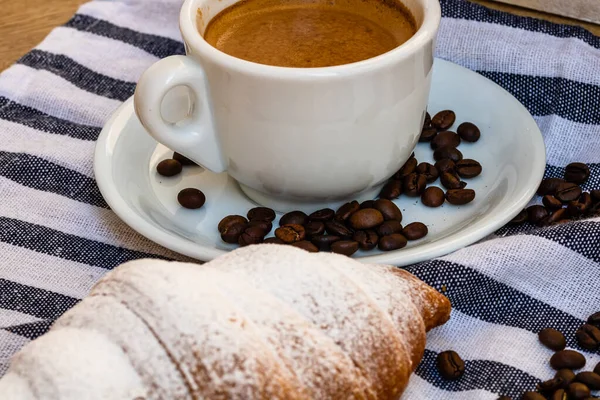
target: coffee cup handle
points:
(196, 138)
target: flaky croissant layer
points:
(262, 322)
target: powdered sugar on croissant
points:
(262, 322)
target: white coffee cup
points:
(294, 138)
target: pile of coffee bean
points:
(374, 223)
(563, 199)
(566, 384)
(189, 198)
(450, 167)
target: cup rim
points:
(426, 33)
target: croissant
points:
(262, 322)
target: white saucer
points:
(511, 150)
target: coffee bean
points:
(460, 197)
(388, 209)
(264, 226)
(586, 200)
(595, 194)
(567, 192)
(251, 235)
(337, 228)
(520, 218)
(392, 190)
(570, 359)
(578, 391)
(294, 217)
(549, 186)
(392, 242)
(552, 339)
(191, 198)
(322, 215)
(345, 247)
(367, 204)
(575, 209)
(231, 233)
(577, 173)
(314, 228)
(468, 132)
(447, 152)
(597, 369)
(344, 212)
(450, 365)
(427, 134)
(463, 184)
(560, 394)
(536, 214)
(532, 396)
(450, 181)
(556, 217)
(367, 240)
(545, 222)
(468, 168)
(261, 214)
(183, 159)
(594, 319)
(389, 227)
(407, 169)
(446, 138)
(595, 210)
(291, 233)
(230, 220)
(273, 240)
(368, 218)
(169, 168)
(324, 242)
(588, 337)
(566, 375)
(445, 165)
(433, 197)
(443, 120)
(549, 386)
(415, 231)
(551, 202)
(590, 379)
(414, 184)
(429, 171)
(427, 121)
(306, 245)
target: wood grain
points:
(584, 10)
(595, 29)
(24, 23)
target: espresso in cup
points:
(310, 33)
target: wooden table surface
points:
(24, 23)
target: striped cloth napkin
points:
(58, 236)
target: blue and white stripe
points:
(58, 235)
